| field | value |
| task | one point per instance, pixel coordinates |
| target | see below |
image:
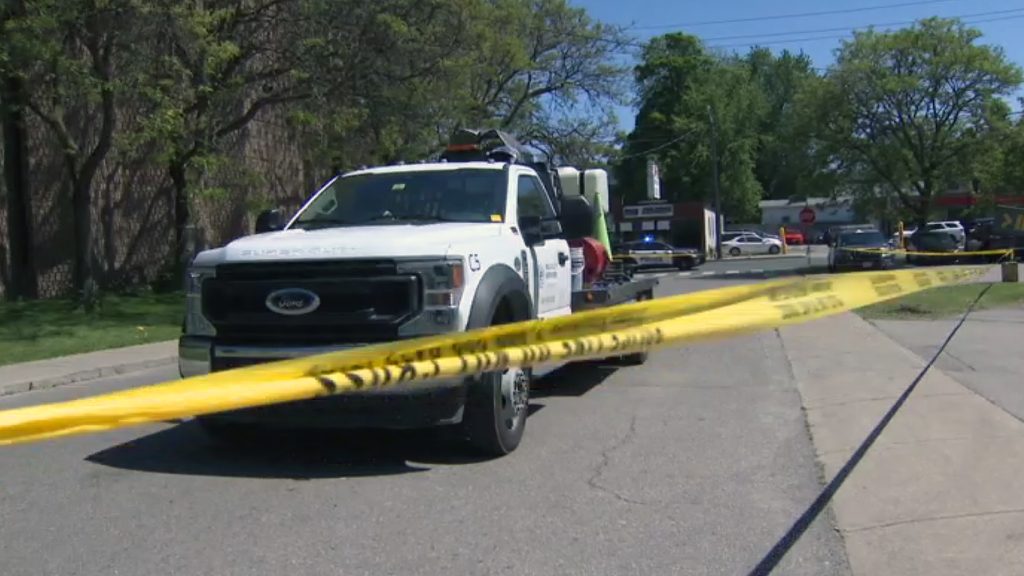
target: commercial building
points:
(681, 224)
(827, 212)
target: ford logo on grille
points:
(293, 301)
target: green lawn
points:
(51, 328)
(945, 301)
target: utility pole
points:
(718, 197)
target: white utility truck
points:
(477, 238)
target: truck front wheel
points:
(496, 408)
(497, 403)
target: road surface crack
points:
(594, 480)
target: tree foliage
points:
(71, 56)
(786, 165)
(914, 109)
(684, 92)
(358, 82)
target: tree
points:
(215, 66)
(998, 170)
(786, 165)
(572, 141)
(534, 56)
(21, 277)
(912, 107)
(67, 54)
(415, 70)
(681, 87)
(398, 70)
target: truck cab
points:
(384, 254)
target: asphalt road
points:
(755, 266)
(696, 463)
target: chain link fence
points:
(133, 210)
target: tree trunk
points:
(176, 170)
(81, 205)
(924, 202)
(22, 278)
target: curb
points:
(10, 388)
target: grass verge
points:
(944, 302)
(50, 328)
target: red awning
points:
(957, 201)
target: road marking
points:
(707, 273)
(732, 271)
(757, 271)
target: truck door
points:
(551, 279)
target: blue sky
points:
(1001, 22)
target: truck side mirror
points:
(269, 221)
(531, 229)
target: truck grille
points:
(360, 301)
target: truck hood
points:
(351, 242)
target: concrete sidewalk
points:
(987, 355)
(15, 378)
(942, 489)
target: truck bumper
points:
(401, 406)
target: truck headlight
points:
(449, 281)
(195, 323)
(443, 284)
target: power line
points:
(792, 15)
(656, 148)
(847, 28)
(840, 36)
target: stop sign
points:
(807, 215)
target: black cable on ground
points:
(774, 556)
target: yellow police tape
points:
(596, 334)
(999, 252)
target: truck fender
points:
(499, 282)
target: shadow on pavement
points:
(573, 380)
(319, 453)
(291, 454)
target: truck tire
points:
(638, 358)
(497, 403)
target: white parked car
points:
(954, 228)
(751, 244)
(733, 234)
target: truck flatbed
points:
(612, 294)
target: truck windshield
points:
(459, 195)
(862, 239)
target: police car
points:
(650, 253)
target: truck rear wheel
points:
(637, 358)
